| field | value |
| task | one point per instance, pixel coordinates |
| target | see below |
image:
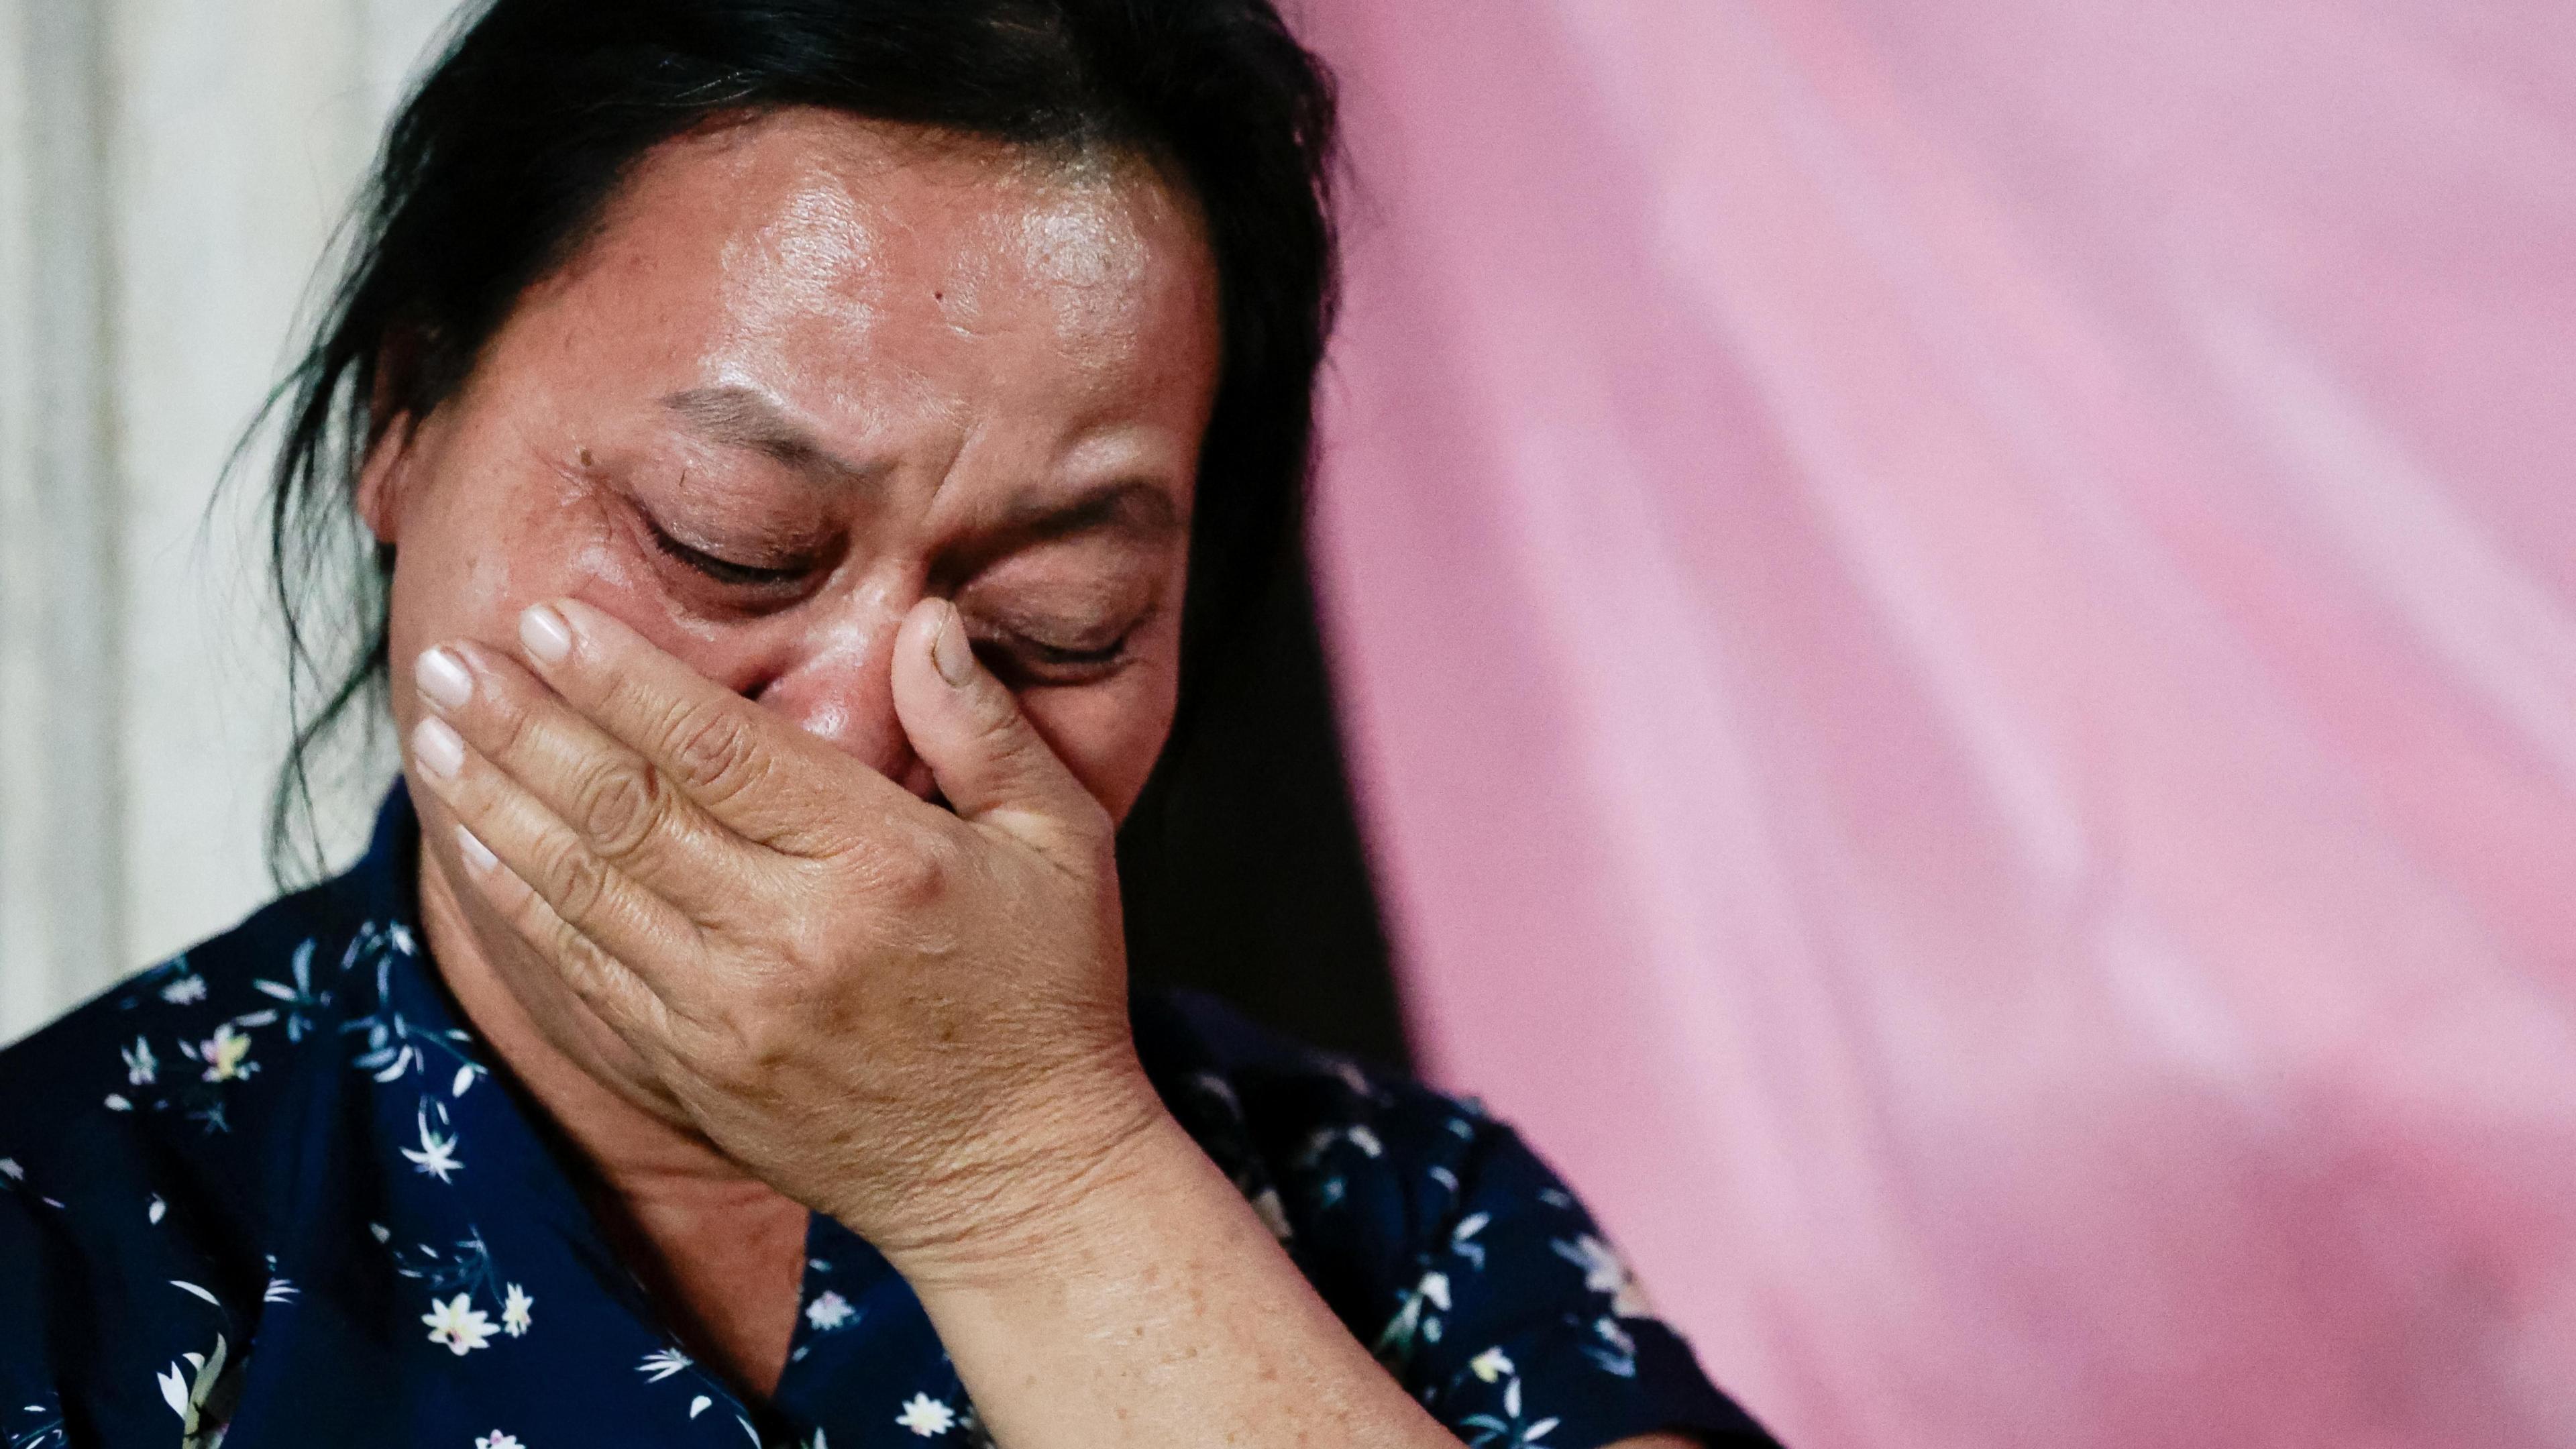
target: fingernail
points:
(437, 748)
(476, 853)
(545, 633)
(443, 678)
(951, 650)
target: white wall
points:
(170, 172)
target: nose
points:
(834, 677)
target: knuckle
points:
(618, 805)
(916, 870)
(583, 962)
(1013, 750)
(711, 748)
(593, 975)
(1019, 755)
(1000, 728)
(576, 880)
(512, 726)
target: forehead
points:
(861, 271)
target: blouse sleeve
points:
(1439, 1238)
(1521, 1325)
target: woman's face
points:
(808, 370)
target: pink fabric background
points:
(1957, 622)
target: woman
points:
(803, 444)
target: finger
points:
(754, 772)
(591, 897)
(618, 996)
(620, 804)
(989, 760)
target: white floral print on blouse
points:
(285, 1137)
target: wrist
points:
(1041, 1187)
(1153, 1306)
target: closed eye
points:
(1023, 662)
(725, 570)
(1071, 658)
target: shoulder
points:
(1303, 1130)
(1378, 1183)
(178, 1050)
(160, 1144)
(1436, 1234)
(179, 1096)
(178, 1045)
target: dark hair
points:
(510, 147)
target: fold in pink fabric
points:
(1955, 618)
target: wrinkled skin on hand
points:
(910, 1019)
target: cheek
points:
(1110, 734)
(484, 542)
(501, 538)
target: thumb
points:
(988, 759)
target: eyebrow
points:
(741, 417)
(1128, 505)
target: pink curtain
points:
(1956, 617)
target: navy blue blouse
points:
(273, 1193)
